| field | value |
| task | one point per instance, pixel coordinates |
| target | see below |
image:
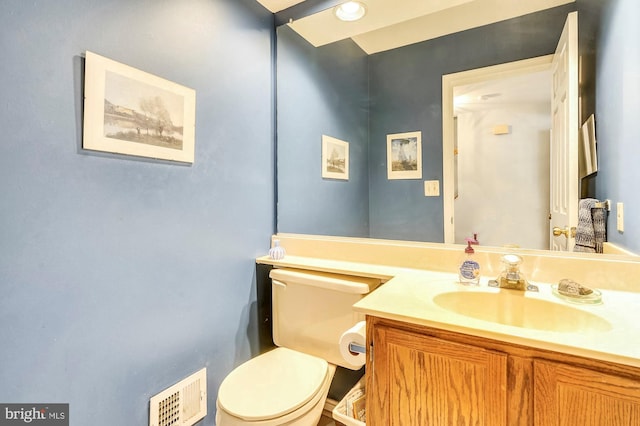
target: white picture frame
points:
(404, 155)
(335, 158)
(129, 111)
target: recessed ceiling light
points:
(350, 11)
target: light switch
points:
(431, 188)
(620, 216)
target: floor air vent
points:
(182, 404)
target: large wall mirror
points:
(349, 90)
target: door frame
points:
(449, 82)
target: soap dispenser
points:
(469, 271)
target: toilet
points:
(288, 385)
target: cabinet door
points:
(566, 395)
(421, 380)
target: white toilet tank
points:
(312, 309)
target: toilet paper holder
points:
(356, 348)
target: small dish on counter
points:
(593, 298)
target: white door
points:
(564, 139)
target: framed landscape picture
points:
(404, 155)
(335, 158)
(128, 111)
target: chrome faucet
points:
(511, 278)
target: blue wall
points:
(326, 89)
(617, 112)
(120, 276)
(406, 95)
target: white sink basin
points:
(515, 309)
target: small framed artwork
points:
(128, 111)
(404, 155)
(589, 146)
(335, 158)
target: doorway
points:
(496, 154)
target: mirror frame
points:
(597, 17)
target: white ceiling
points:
(394, 23)
(278, 5)
(533, 89)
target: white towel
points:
(591, 231)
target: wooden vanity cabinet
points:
(421, 376)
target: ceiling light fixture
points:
(350, 11)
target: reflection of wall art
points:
(128, 111)
(404, 156)
(335, 158)
(589, 146)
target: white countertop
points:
(410, 296)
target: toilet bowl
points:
(280, 387)
(289, 384)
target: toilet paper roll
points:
(356, 334)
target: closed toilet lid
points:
(272, 384)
